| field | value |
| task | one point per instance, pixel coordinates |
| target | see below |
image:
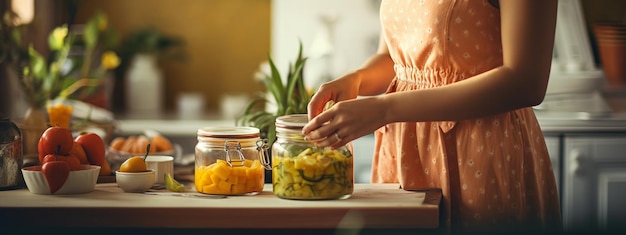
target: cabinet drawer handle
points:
(576, 163)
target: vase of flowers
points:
(58, 75)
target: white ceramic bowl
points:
(135, 182)
(81, 181)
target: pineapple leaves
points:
(274, 84)
(289, 97)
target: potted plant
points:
(288, 96)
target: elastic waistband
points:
(427, 78)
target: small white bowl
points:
(80, 181)
(135, 182)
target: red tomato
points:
(71, 161)
(56, 137)
(94, 147)
(56, 173)
(41, 152)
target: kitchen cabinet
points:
(594, 181)
(588, 154)
(553, 142)
(363, 153)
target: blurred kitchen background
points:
(206, 75)
(225, 42)
(221, 45)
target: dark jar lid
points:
(9, 132)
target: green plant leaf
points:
(276, 87)
(91, 32)
(246, 118)
(253, 118)
(93, 27)
(37, 64)
(253, 104)
(299, 89)
(290, 97)
(271, 132)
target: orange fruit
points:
(72, 161)
(133, 164)
(161, 143)
(117, 143)
(141, 144)
(105, 169)
(79, 152)
(129, 144)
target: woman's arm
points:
(372, 78)
(377, 72)
(527, 40)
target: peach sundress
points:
(493, 171)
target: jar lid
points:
(229, 132)
(9, 132)
(293, 121)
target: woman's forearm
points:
(375, 75)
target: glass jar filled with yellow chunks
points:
(230, 161)
(302, 171)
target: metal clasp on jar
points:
(264, 156)
(239, 158)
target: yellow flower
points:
(110, 60)
(102, 24)
(57, 38)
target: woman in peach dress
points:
(459, 79)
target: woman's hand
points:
(343, 88)
(346, 121)
(350, 118)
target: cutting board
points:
(370, 206)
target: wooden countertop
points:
(370, 206)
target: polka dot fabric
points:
(495, 172)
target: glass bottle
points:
(11, 158)
(300, 170)
(230, 161)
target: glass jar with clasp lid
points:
(300, 170)
(230, 161)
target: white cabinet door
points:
(594, 182)
(553, 142)
(363, 153)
